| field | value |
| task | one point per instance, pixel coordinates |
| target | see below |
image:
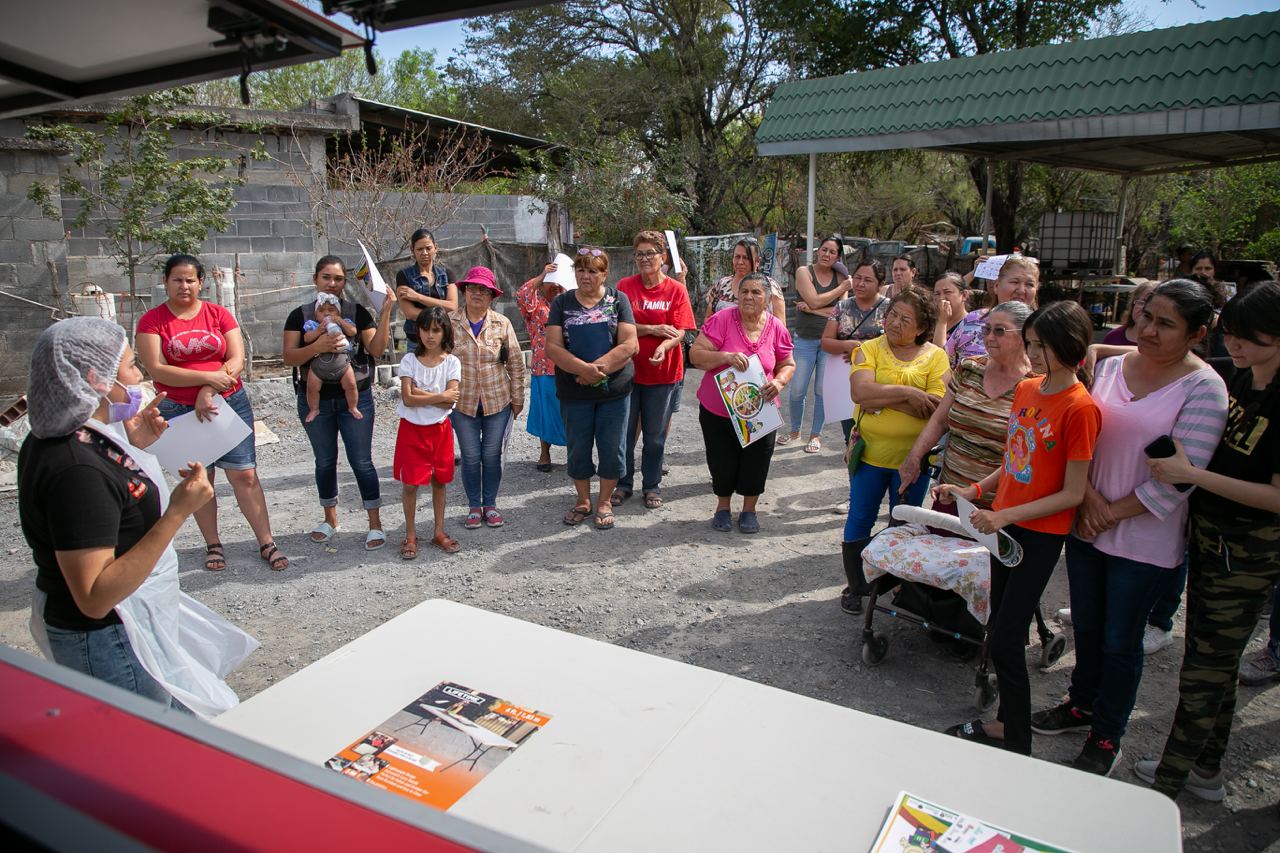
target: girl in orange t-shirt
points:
(1052, 430)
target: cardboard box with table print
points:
(642, 753)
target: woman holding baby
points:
(333, 415)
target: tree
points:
(130, 186)
(678, 76)
(409, 80)
(379, 188)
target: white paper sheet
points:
(563, 274)
(1005, 548)
(190, 440)
(506, 440)
(675, 252)
(989, 268)
(377, 287)
(837, 404)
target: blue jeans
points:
(809, 360)
(480, 440)
(242, 457)
(1110, 600)
(357, 437)
(1170, 598)
(867, 486)
(603, 424)
(105, 654)
(649, 409)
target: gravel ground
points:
(763, 607)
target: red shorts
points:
(423, 453)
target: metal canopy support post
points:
(813, 196)
(1119, 260)
(986, 210)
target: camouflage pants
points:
(1230, 574)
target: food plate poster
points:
(440, 745)
(752, 417)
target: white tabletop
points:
(643, 752)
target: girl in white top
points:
(429, 378)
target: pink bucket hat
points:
(482, 276)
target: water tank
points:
(93, 301)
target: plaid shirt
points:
(485, 381)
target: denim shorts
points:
(242, 457)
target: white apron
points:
(183, 644)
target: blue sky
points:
(445, 38)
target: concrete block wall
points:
(33, 255)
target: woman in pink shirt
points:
(1130, 530)
(194, 353)
(729, 337)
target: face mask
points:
(117, 412)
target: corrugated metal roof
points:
(1199, 67)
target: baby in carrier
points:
(330, 366)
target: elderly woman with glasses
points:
(591, 339)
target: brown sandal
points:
(577, 515)
(446, 543)
(215, 559)
(409, 549)
(277, 561)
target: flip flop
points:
(605, 521)
(374, 540)
(577, 515)
(619, 497)
(974, 732)
(409, 549)
(325, 530)
(446, 543)
(652, 500)
(814, 446)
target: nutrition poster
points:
(440, 745)
(752, 417)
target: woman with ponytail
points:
(1052, 429)
(1234, 548)
(1128, 537)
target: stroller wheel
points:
(875, 649)
(1052, 651)
(986, 692)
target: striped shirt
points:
(976, 427)
(1193, 409)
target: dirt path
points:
(663, 582)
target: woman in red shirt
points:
(194, 352)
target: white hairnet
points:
(73, 366)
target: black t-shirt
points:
(1249, 450)
(363, 320)
(79, 491)
(588, 334)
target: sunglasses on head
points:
(595, 253)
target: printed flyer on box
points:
(440, 745)
(917, 826)
(752, 417)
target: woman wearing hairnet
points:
(107, 601)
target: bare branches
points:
(378, 188)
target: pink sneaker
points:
(492, 517)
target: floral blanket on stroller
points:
(911, 552)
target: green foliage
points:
(1227, 210)
(1265, 248)
(147, 199)
(409, 80)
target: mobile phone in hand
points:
(1162, 448)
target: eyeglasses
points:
(998, 331)
(644, 256)
(1139, 305)
(595, 253)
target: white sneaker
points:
(1154, 639)
(1205, 787)
(1064, 616)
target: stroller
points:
(943, 585)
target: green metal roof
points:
(1142, 102)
